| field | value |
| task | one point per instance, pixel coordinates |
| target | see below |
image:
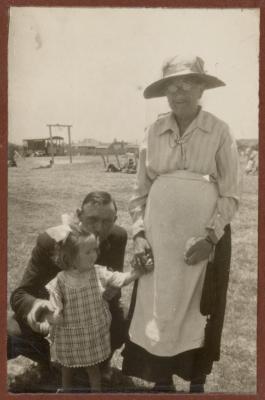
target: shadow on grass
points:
(35, 379)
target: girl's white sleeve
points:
(54, 289)
(110, 278)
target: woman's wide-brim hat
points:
(191, 67)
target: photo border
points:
(4, 21)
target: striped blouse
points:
(206, 147)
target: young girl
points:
(80, 324)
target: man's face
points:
(98, 219)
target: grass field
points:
(37, 198)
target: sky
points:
(88, 67)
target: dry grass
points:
(37, 198)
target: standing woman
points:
(185, 197)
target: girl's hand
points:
(55, 318)
(44, 328)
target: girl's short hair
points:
(69, 248)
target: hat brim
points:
(158, 88)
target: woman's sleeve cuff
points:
(138, 226)
(215, 233)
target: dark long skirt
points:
(194, 364)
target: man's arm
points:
(112, 252)
(39, 271)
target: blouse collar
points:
(203, 121)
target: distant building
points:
(43, 146)
(85, 147)
(121, 147)
(102, 149)
(83, 150)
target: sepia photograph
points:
(133, 168)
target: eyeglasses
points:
(181, 85)
(104, 221)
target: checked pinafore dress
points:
(82, 338)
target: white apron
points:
(167, 319)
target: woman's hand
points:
(200, 251)
(142, 251)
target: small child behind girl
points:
(80, 324)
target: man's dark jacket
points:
(42, 267)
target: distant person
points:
(112, 168)
(50, 165)
(80, 322)
(17, 154)
(130, 166)
(98, 214)
(186, 194)
(250, 167)
(12, 162)
(252, 164)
